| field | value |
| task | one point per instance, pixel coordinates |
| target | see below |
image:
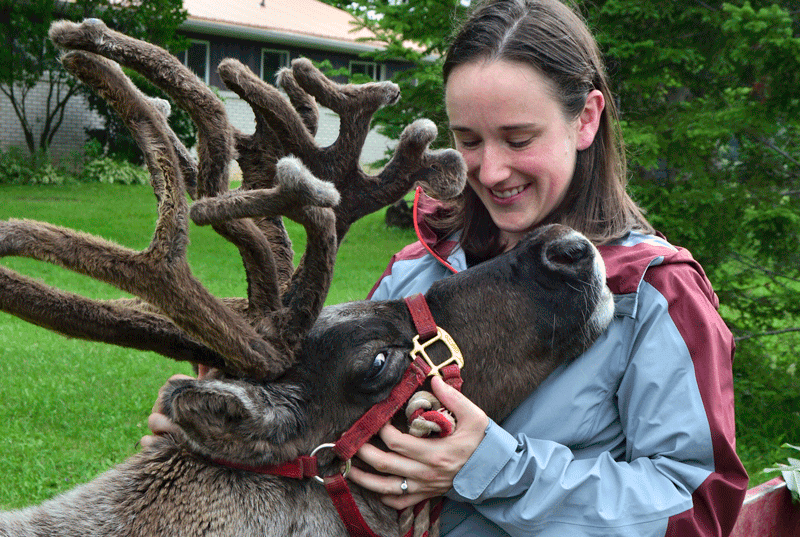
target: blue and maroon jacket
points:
(633, 438)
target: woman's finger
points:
(466, 412)
(450, 452)
(148, 440)
(389, 462)
(160, 424)
(390, 488)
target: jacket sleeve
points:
(679, 440)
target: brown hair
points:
(554, 40)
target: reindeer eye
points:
(378, 364)
(375, 373)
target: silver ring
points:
(347, 463)
(404, 486)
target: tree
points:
(710, 114)
(415, 31)
(28, 57)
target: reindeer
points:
(289, 375)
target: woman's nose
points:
(493, 168)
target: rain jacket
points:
(634, 437)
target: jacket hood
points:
(629, 260)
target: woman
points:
(636, 436)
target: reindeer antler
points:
(176, 315)
(442, 171)
(159, 274)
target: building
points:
(265, 35)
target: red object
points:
(424, 243)
(346, 507)
(421, 315)
(299, 468)
(768, 511)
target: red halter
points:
(376, 417)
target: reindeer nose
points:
(567, 252)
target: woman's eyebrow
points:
(516, 127)
(520, 127)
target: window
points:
(196, 58)
(370, 69)
(271, 62)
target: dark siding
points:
(249, 53)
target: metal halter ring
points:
(347, 464)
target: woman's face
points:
(519, 148)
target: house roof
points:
(298, 22)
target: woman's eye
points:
(377, 365)
(518, 144)
(466, 142)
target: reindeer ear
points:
(235, 420)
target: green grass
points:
(72, 409)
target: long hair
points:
(554, 40)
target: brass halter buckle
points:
(444, 337)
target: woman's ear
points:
(589, 119)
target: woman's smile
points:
(507, 194)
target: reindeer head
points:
(515, 318)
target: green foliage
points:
(28, 57)
(19, 168)
(790, 472)
(15, 167)
(108, 170)
(710, 118)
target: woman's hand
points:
(158, 423)
(428, 465)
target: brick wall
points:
(70, 137)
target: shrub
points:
(108, 170)
(18, 167)
(15, 167)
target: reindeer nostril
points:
(568, 252)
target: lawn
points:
(71, 408)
